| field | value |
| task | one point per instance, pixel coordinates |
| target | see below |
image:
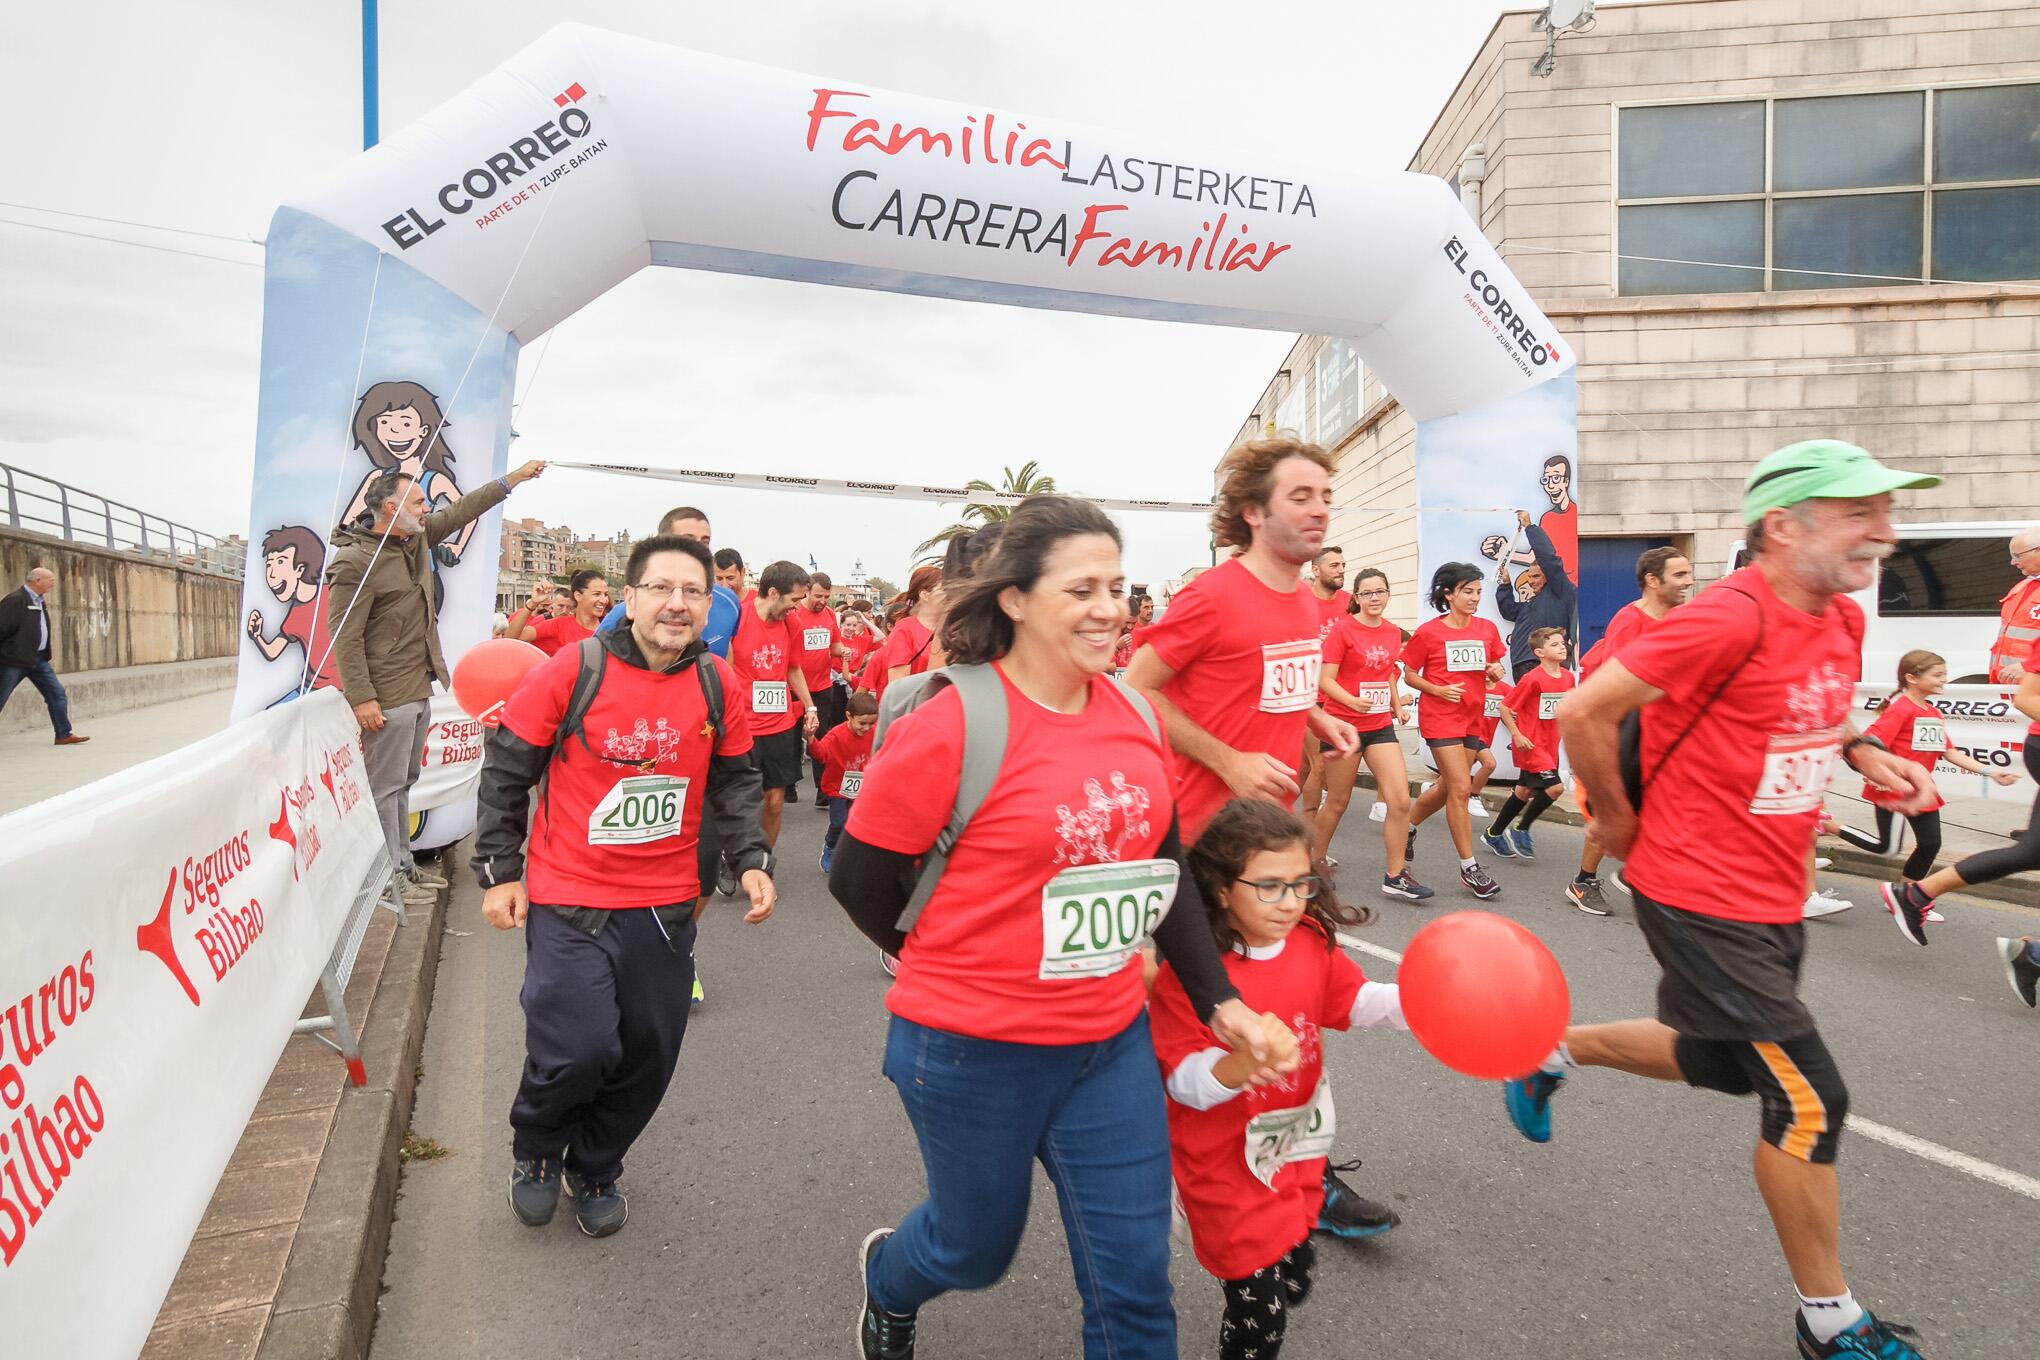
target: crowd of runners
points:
(1091, 838)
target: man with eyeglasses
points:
(1561, 523)
(608, 884)
(2019, 613)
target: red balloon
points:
(489, 674)
(1483, 995)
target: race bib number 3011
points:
(1796, 770)
(1289, 675)
(1278, 1137)
(641, 808)
(1094, 916)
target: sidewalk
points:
(33, 768)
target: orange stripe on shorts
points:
(1809, 1116)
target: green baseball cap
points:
(1824, 469)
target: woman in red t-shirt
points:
(1249, 1163)
(909, 650)
(589, 590)
(1450, 661)
(1019, 1028)
(1358, 680)
(1913, 728)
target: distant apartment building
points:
(1757, 221)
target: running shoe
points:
(2020, 969)
(599, 1207)
(1524, 846)
(1404, 886)
(1475, 808)
(1883, 1340)
(889, 962)
(1823, 862)
(1819, 904)
(1497, 843)
(828, 858)
(1908, 907)
(535, 1190)
(1615, 881)
(698, 996)
(725, 878)
(1529, 1103)
(880, 1335)
(1329, 862)
(1346, 1214)
(1585, 893)
(1477, 879)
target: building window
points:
(1829, 191)
(1292, 413)
(1946, 576)
(1338, 384)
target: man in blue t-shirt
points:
(689, 522)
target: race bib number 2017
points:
(1094, 916)
(1796, 770)
(815, 639)
(1289, 675)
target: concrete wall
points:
(115, 609)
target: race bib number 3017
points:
(1289, 675)
(1796, 770)
(1094, 916)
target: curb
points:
(325, 1305)
(2018, 891)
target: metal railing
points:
(47, 506)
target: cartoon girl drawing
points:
(399, 426)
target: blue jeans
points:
(44, 678)
(839, 816)
(983, 1112)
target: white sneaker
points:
(1378, 813)
(1476, 808)
(1824, 904)
(1613, 878)
(1823, 862)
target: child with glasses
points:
(1249, 1159)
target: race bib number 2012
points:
(1094, 916)
(1289, 675)
(1465, 657)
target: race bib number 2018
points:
(1796, 770)
(1289, 675)
(768, 696)
(638, 809)
(1094, 916)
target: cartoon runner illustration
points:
(293, 561)
(399, 426)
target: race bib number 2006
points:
(1796, 770)
(638, 809)
(1094, 916)
(1289, 675)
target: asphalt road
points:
(1635, 1233)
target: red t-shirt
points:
(911, 645)
(1630, 621)
(860, 646)
(306, 623)
(761, 654)
(1238, 1223)
(873, 676)
(643, 727)
(841, 752)
(1122, 656)
(1073, 789)
(1330, 611)
(1246, 659)
(1363, 663)
(1535, 701)
(1915, 732)
(556, 635)
(1727, 826)
(1445, 655)
(817, 631)
(1562, 527)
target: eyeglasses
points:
(1370, 594)
(1272, 890)
(659, 593)
(2024, 552)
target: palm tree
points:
(1028, 481)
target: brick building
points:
(1757, 221)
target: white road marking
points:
(1880, 1133)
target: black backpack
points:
(594, 660)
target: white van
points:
(1940, 591)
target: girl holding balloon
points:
(1249, 1160)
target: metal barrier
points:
(48, 506)
(379, 889)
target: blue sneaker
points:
(599, 1206)
(1525, 848)
(828, 858)
(1529, 1102)
(1883, 1340)
(1499, 844)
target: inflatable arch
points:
(399, 290)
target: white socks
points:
(1829, 1318)
(1559, 1063)
(1466, 863)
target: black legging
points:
(1257, 1307)
(1926, 829)
(2022, 855)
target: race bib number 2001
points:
(1094, 916)
(1289, 675)
(1796, 770)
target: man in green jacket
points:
(386, 630)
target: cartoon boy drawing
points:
(293, 559)
(399, 426)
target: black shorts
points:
(1367, 739)
(1726, 979)
(1538, 779)
(1446, 743)
(777, 757)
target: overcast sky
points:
(132, 372)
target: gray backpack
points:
(984, 751)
